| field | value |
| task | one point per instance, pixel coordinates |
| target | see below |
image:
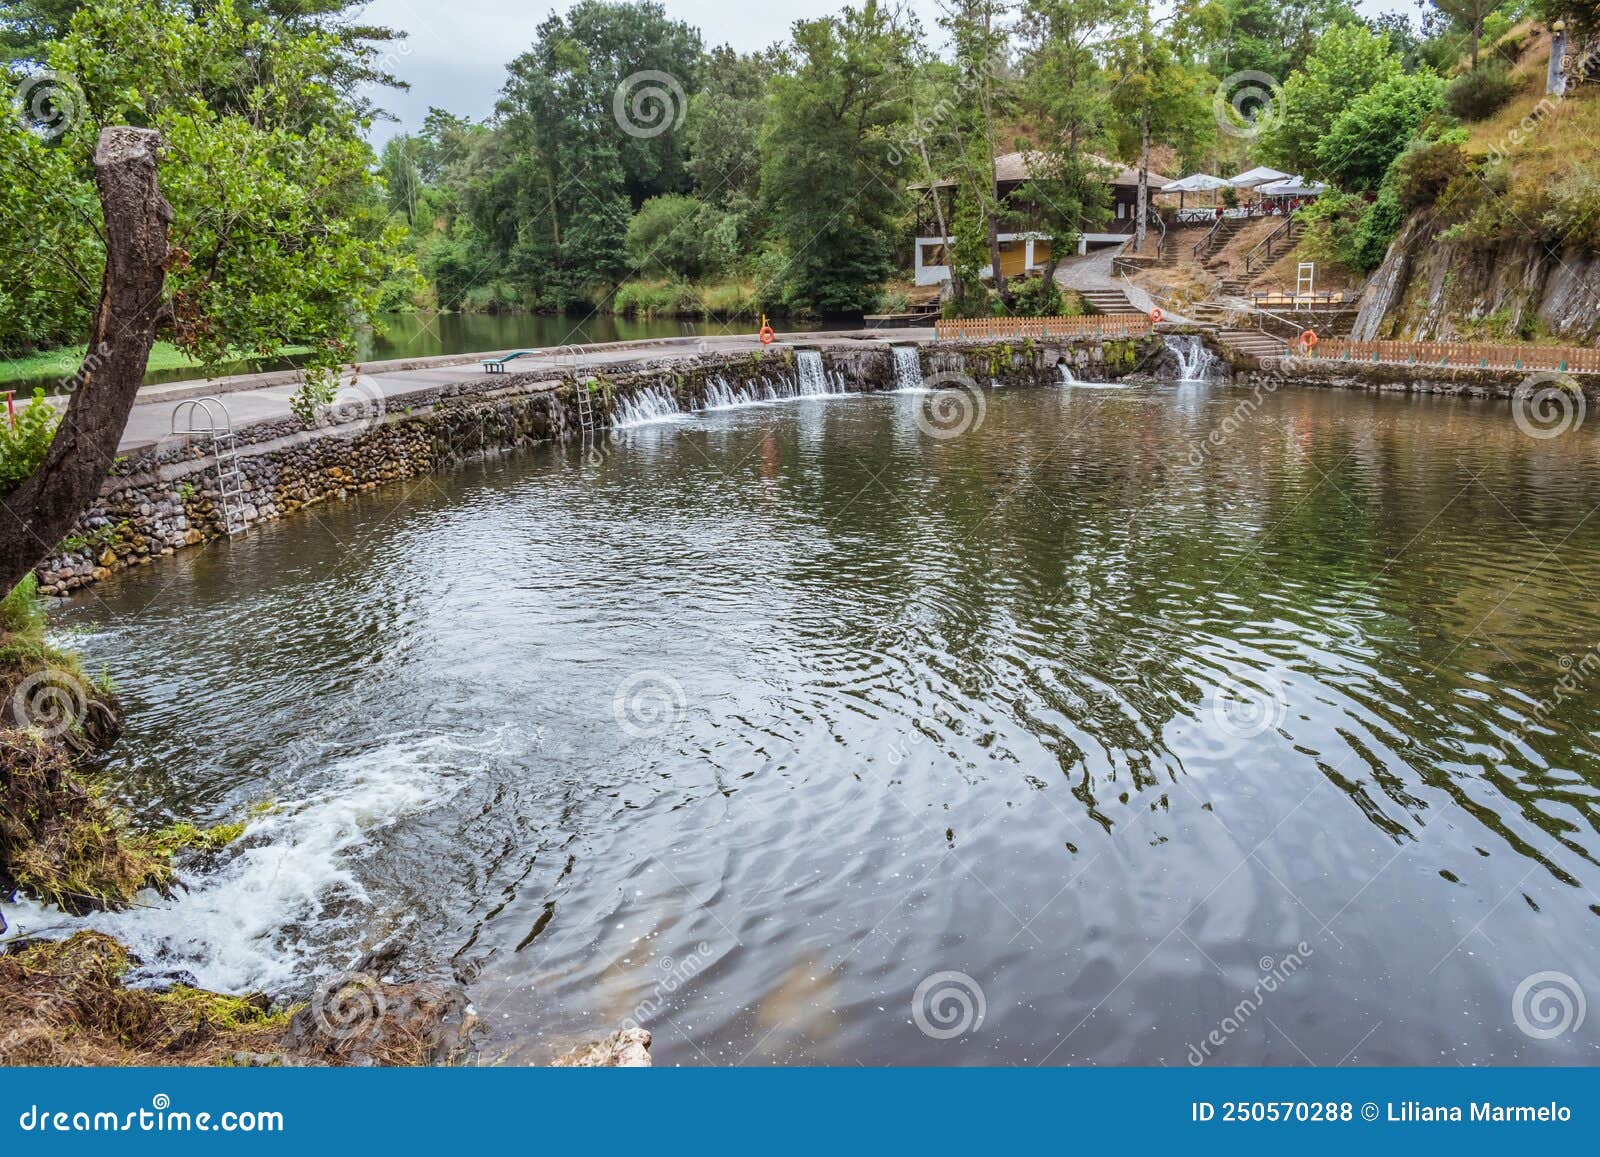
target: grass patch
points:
(63, 363)
(64, 1003)
(648, 298)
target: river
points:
(803, 736)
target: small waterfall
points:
(651, 404)
(721, 396)
(1194, 359)
(1066, 375)
(908, 368)
(813, 376)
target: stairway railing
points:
(1263, 250)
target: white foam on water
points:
(908, 370)
(646, 407)
(1194, 359)
(235, 929)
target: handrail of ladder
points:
(193, 406)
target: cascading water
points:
(1066, 375)
(721, 396)
(1194, 359)
(813, 375)
(651, 404)
(907, 368)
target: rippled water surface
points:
(1285, 738)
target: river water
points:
(804, 736)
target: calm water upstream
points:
(1268, 739)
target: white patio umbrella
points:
(1293, 187)
(1260, 175)
(1195, 183)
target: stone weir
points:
(165, 496)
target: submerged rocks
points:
(627, 1048)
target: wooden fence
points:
(1100, 325)
(1461, 355)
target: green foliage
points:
(679, 236)
(1427, 167)
(23, 445)
(1348, 61)
(1271, 36)
(830, 174)
(553, 189)
(22, 611)
(1479, 94)
(1372, 130)
(1036, 297)
(280, 237)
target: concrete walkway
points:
(1094, 271)
(257, 397)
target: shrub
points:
(1036, 297)
(24, 443)
(1479, 94)
(647, 299)
(682, 237)
(1426, 168)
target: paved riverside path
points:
(1094, 271)
(257, 397)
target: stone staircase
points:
(1252, 343)
(1107, 300)
(1205, 250)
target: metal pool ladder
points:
(585, 410)
(218, 431)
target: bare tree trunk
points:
(1143, 209)
(40, 512)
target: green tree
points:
(831, 174)
(277, 230)
(1349, 61)
(592, 127)
(1065, 96)
(1271, 36)
(1375, 128)
(982, 100)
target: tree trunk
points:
(41, 511)
(1143, 209)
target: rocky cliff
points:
(1431, 288)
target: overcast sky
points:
(456, 53)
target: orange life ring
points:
(1309, 338)
(767, 336)
(1155, 316)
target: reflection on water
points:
(756, 722)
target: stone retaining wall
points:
(1463, 382)
(164, 497)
